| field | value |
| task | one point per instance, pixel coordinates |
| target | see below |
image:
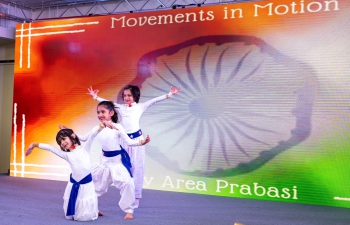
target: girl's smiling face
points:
(104, 114)
(128, 97)
(66, 143)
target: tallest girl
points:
(131, 113)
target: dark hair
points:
(66, 133)
(109, 105)
(135, 92)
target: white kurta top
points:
(130, 116)
(110, 138)
(78, 159)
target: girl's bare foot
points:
(128, 216)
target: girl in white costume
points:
(84, 206)
(131, 113)
(114, 164)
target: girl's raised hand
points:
(148, 139)
(92, 92)
(109, 124)
(30, 149)
(60, 126)
(174, 90)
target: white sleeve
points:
(116, 105)
(54, 150)
(85, 137)
(126, 138)
(153, 101)
(90, 139)
(100, 99)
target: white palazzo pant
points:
(86, 206)
(111, 170)
(137, 158)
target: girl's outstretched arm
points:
(47, 147)
(128, 140)
(91, 136)
(85, 137)
(173, 91)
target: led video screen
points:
(264, 107)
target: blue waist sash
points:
(135, 134)
(74, 193)
(125, 157)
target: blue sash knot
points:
(124, 155)
(74, 193)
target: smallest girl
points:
(80, 200)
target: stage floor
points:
(33, 201)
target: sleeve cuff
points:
(168, 95)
